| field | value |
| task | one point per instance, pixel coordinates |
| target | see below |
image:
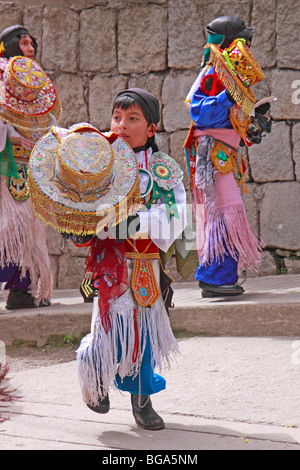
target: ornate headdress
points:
(28, 99)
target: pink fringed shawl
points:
(23, 242)
(227, 228)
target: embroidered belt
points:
(141, 248)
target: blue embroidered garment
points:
(211, 112)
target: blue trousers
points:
(12, 276)
(219, 273)
(150, 382)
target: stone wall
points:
(94, 49)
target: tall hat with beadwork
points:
(28, 99)
(221, 32)
(81, 180)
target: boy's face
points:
(131, 125)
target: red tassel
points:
(214, 85)
(105, 322)
(137, 339)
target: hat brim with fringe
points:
(67, 209)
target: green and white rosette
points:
(166, 174)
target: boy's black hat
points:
(146, 100)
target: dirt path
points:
(26, 357)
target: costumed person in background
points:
(28, 108)
(224, 121)
(142, 200)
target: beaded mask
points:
(238, 70)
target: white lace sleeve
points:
(155, 222)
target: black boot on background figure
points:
(18, 299)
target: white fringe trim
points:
(97, 355)
(23, 243)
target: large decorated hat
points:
(28, 99)
(81, 180)
(238, 70)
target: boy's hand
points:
(127, 228)
(81, 239)
(78, 239)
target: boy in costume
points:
(118, 195)
(136, 336)
(221, 106)
(28, 108)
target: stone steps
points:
(270, 306)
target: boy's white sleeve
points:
(155, 222)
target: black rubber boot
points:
(19, 299)
(228, 290)
(101, 407)
(144, 414)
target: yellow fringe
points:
(243, 96)
(30, 123)
(63, 219)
